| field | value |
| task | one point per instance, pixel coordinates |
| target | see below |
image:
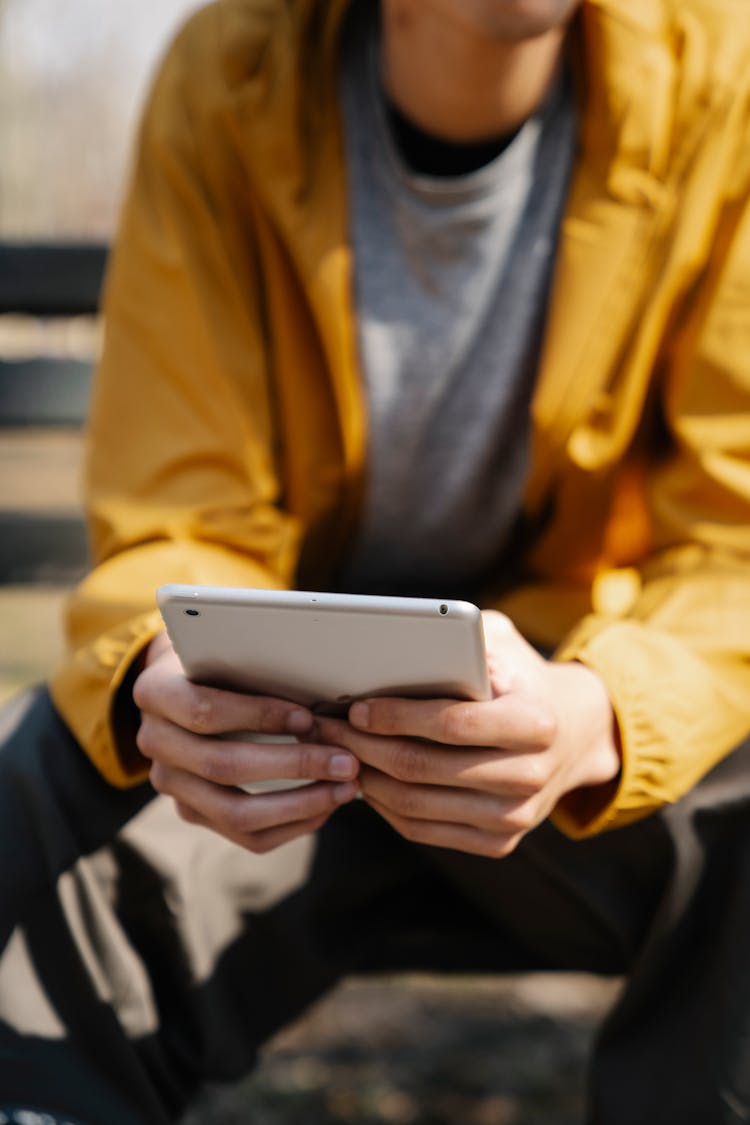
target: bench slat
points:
(40, 543)
(40, 279)
(42, 548)
(44, 391)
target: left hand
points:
(477, 777)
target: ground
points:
(427, 1051)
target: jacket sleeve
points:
(676, 658)
(181, 480)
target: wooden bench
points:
(48, 293)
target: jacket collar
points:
(288, 99)
(616, 202)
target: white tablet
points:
(324, 650)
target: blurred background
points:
(72, 79)
(416, 1051)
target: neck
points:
(458, 84)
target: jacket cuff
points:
(86, 693)
(677, 716)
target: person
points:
(425, 296)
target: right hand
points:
(180, 727)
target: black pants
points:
(142, 956)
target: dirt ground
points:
(427, 1051)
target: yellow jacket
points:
(227, 432)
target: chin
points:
(516, 19)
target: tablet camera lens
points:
(443, 608)
(192, 612)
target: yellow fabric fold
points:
(227, 436)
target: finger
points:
(236, 814)
(164, 690)
(226, 762)
(512, 721)
(458, 837)
(500, 772)
(497, 627)
(265, 840)
(496, 815)
(271, 838)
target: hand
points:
(180, 725)
(477, 777)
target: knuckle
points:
(520, 819)
(498, 820)
(381, 717)
(269, 716)
(498, 624)
(186, 813)
(259, 843)
(324, 802)
(249, 819)
(407, 761)
(158, 777)
(533, 775)
(201, 712)
(508, 625)
(218, 766)
(500, 846)
(305, 762)
(406, 801)
(241, 818)
(145, 739)
(142, 691)
(409, 829)
(544, 730)
(458, 724)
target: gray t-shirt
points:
(451, 279)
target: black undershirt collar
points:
(428, 155)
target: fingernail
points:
(346, 792)
(359, 715)
(342, 766)
(297, 722)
